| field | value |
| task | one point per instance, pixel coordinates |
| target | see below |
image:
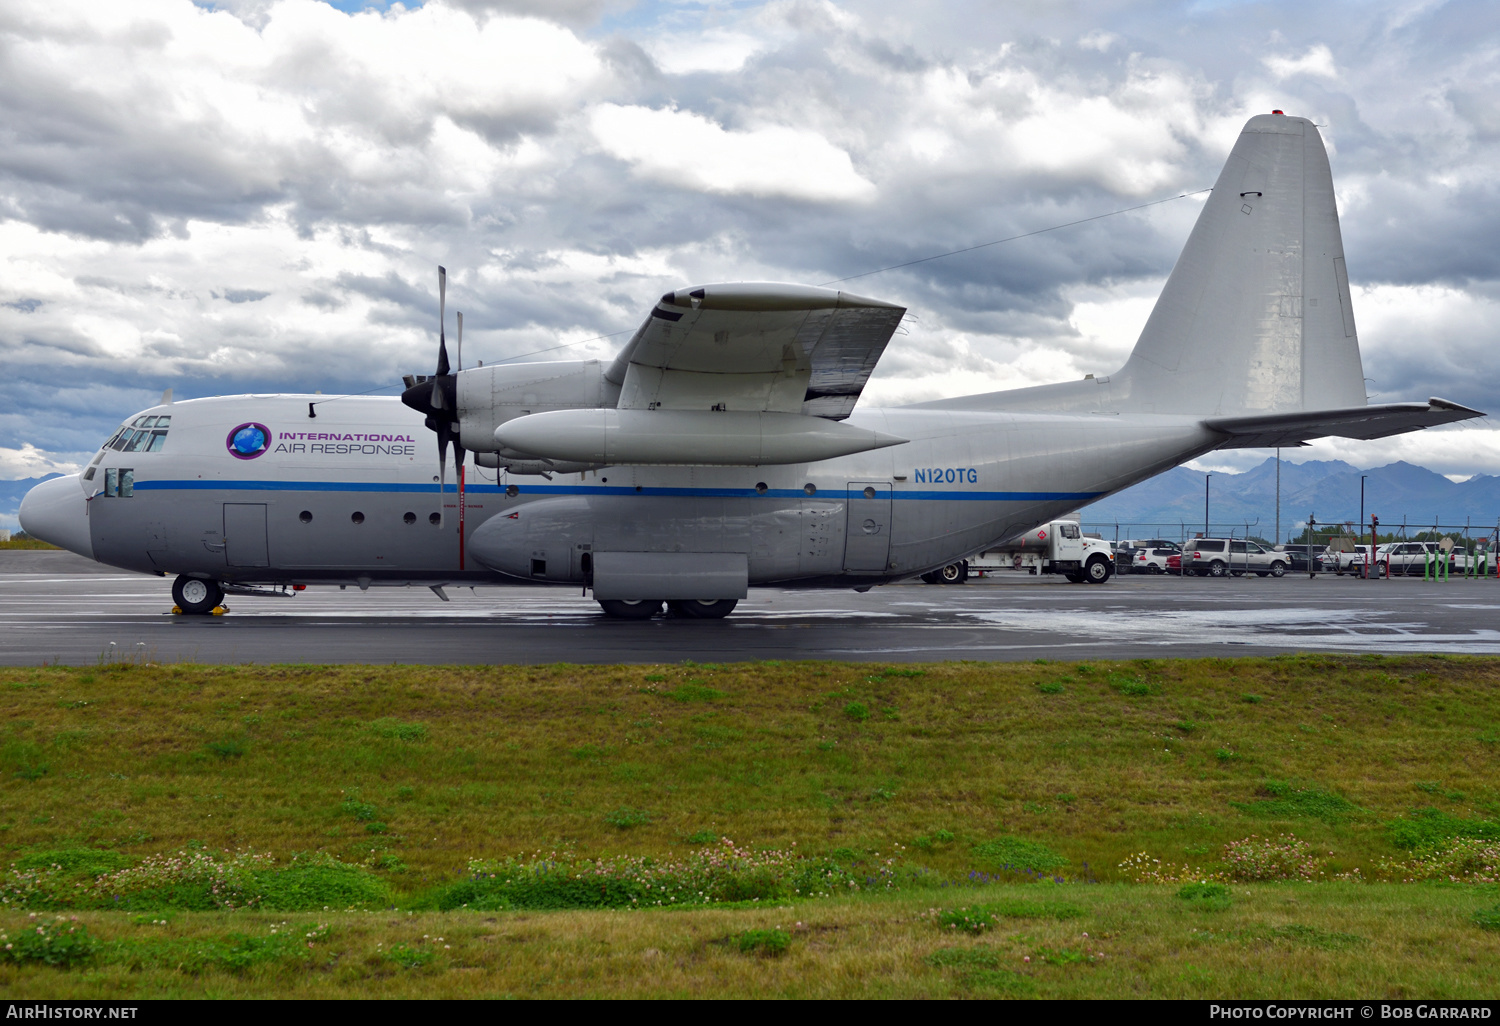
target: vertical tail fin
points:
(1255, 317)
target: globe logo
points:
(248, 441)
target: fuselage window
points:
(119, 482)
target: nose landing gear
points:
(195, 596)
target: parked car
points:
(1174, 563)
(1152, 560)
(1220, 557)
(1411, 558)
(1126, 552)
(1296, 557)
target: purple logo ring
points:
(247, 441)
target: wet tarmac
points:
(59, 608)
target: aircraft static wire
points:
(1013, 238)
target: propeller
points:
(437, 397)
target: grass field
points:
(25, 543)
(916, 791)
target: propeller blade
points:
(460, 349)
(442, 366)
(443, 432)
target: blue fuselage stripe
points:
(532, 489)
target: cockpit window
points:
(144, 434)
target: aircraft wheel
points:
(703, 609)
(954, 573)
(630, 609)
(1097, 571)
(1278, 569)
(933, 578)
(195, 596)
(1217, 569)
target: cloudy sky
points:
(252, 195)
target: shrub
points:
(1127, 684)
(1287, 801)
(200, 880)
(712, 874)
(1457, 860)
(1285, 858)
(1430, 828)
(625, 817)
(61, 942)
(389, 727)
(78, 861)
(1018, 853)
(1213, 897)
(1051, 687)
(979, 918)
(408, 957)
(771, 943)
(1202, 891)
(693, 691)
(362, 811)
(229, 748)
(969, 919)
(1248, 859)
(857, 711)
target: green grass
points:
(1332, 940)
(376, 787)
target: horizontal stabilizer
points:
(1288, 429)
(685, 437)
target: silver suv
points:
(1220, 557)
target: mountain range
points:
(11, 493)
(1326, 490)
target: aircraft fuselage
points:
(350, 497)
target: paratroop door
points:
(245, 534)
(867, 535)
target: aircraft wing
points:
(1290, 429)
(755, 347)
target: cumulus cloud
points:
(29, 461)
(252, 195)
(691, 151)
(1318, 62)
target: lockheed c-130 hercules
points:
(722, 447)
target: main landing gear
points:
(688, 609)
(195, 596)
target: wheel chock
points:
(176, 610)
(219, 611)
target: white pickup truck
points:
(1056, 548)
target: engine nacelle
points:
(491, 396)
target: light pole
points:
(1205, 504)
(1369, 556)
(1278, 495)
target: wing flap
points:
(1363, 422)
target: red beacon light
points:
(1282, 112)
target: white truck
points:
(1056, 548)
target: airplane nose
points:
(56, 511)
